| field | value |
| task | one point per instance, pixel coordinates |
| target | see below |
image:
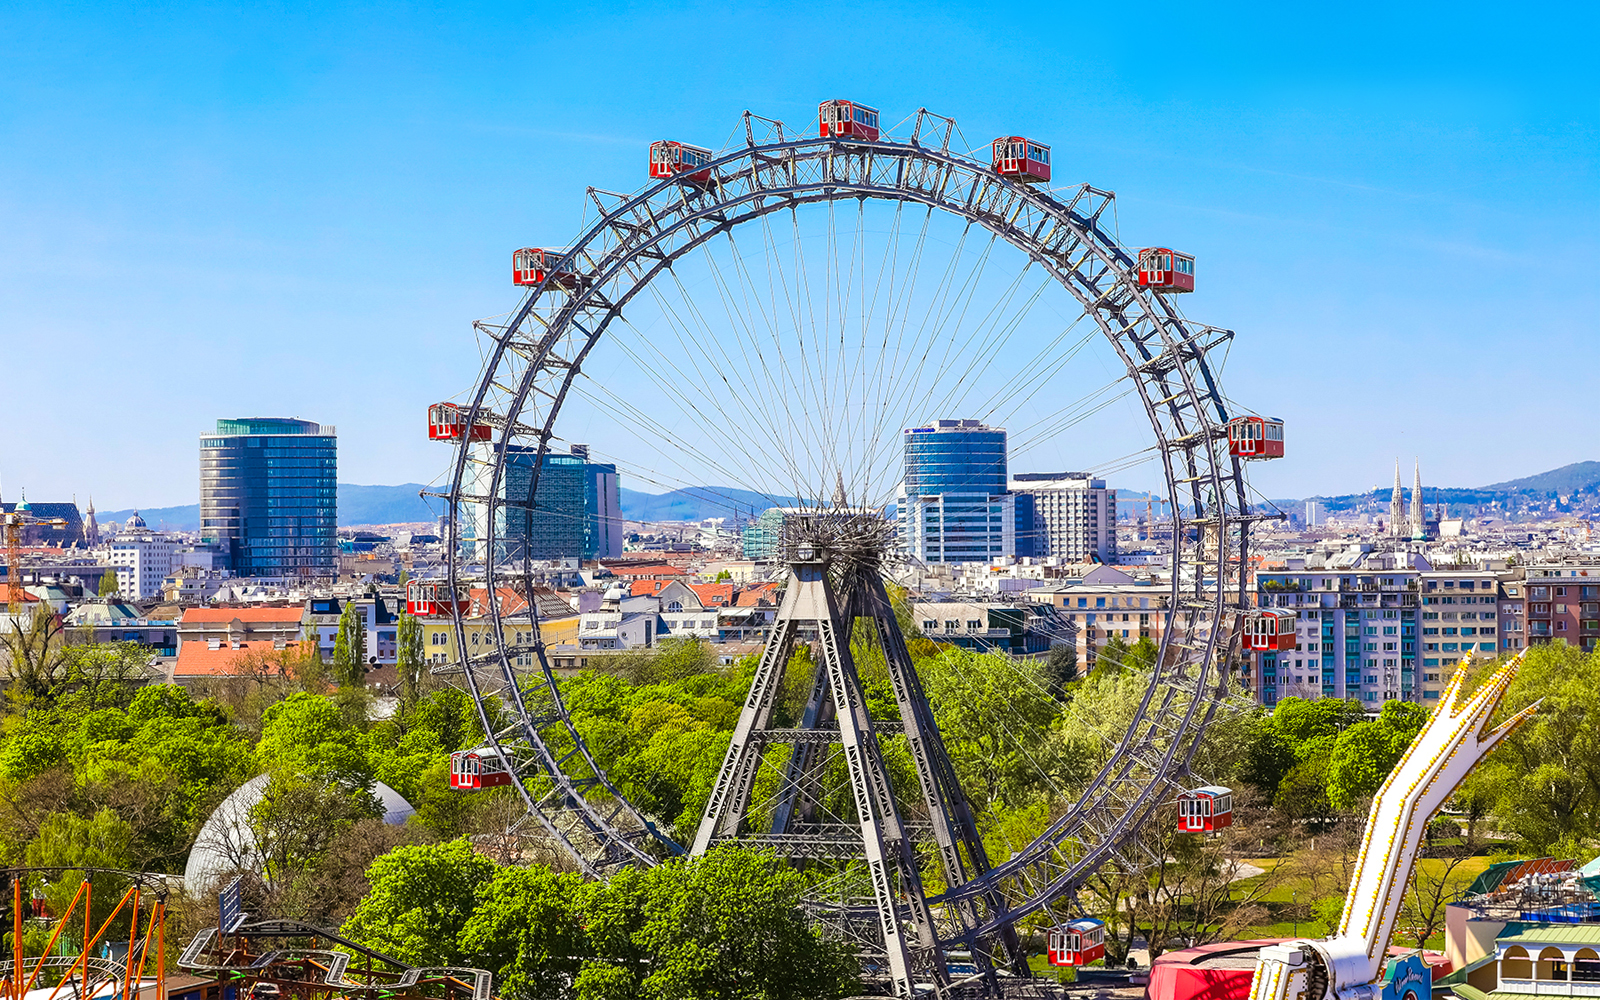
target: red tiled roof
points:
(193, 616)
(753, 595)
(196, 658)
(713, 595)
(549, 603)
(647, 588)
(21, 596)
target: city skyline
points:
(1379, 225)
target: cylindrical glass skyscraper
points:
(955, 456)
(269, 497)
(953, 504)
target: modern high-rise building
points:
(269, 497)
(576, 509)
(602, 507)
(1316, 514)
(953, 504)
(1075, 516)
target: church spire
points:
(1419, 531)
(91, 528)
(1397, 510)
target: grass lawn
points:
(1282, 898)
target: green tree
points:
(525, 930)
(36, 660)
(350, 647)
(1365, 753)
(995, 714)
(1112, 659)
(1061, 667)
(1142, 655)
(726, 924)
(108, 583)
(67, 840)
(310, 671)
(1362, 757)
(1269, 757)
(421, 900)
(1544, 780)
(1300, 721)
(308, 734)
(409, 663)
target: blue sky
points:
(299, 209)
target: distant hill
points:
(385, 504)
(1579, 476)
(357, 505)
(160, 518)
(696, 503)
(397, 504)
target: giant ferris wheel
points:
(771, 317)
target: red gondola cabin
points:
(475, 770)
(677, 159)
(1166, 270)
(1255, 437)
(1205, 810)
(431, 599)
(1077, 942)
(530, 265)
(1269, 629)
(847, 118)
(447, 422)
(1022, 159)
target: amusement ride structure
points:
(1351, 964)
(811, 265)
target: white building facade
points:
(143, 561)
(1075, 516)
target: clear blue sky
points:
(298, 209)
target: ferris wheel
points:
(772, 320)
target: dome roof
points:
(136, 521)
(226, 842)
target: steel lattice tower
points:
(834, 590)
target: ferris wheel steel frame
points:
(538, 353)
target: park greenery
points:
(100, 768)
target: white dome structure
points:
(226, 842)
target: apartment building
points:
(1460, 618)
(1563, 602)
(1106, 603)
(1356, 629)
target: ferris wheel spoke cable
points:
(667, 436)
(1034, 377)
(764, 383)
(898, 329)
(913, 388)
(984, 333)
(767, 424)
(888, 269)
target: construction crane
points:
(15, 520)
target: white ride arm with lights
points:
(1349, 965)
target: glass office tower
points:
(575, 513)
(269, 497)
(953, 504)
